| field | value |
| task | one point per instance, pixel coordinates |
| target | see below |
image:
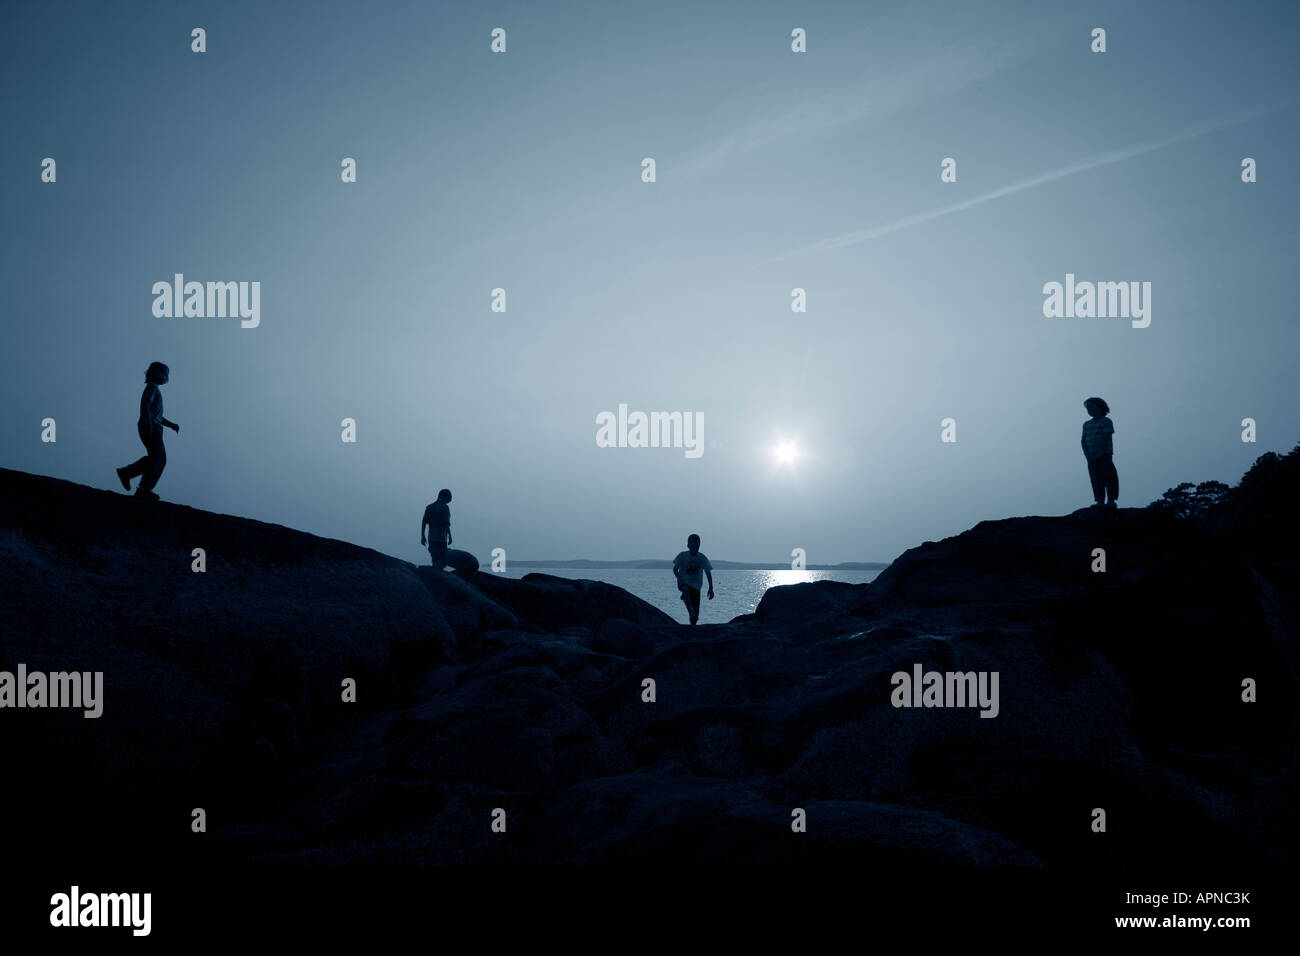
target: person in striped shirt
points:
(1099, 451)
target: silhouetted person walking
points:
(150, 427)
(689, 567)
(1097, 448)
(437, 519)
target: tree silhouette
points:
(1194, 502)
(1261, 514)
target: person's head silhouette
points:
(158, 373)
(1096, 407)
(444, 496)
(693, 543)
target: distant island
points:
(658, 564)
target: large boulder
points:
(463, 564)
(467, 609)
(1171, 600)
(554, 603)
(210, 679)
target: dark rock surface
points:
(555, 603)
(1119, 690)
(463, 564)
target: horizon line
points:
(539, 562)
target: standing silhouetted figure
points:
(1098, 450)
(437, 519)
(689, 567)
(150, 427)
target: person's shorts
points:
(691, 596)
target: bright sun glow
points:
(785, 453)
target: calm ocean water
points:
(736, 592)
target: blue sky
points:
(775, 170)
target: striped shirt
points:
(1096, 437)
(151, 406)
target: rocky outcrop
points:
(463, 564)
(555, 603)
(607, 734)
(467, 609)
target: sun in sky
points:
(785, 453)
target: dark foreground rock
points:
(555, 603)
(1119, 690)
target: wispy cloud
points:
(1195, 131)
(932, 54)
(956, 53)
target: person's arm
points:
(677, 568)
(1110, 444)
(708, 570)
(449, 530)
(1083, 442)
(423, 525)
(169, 424)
